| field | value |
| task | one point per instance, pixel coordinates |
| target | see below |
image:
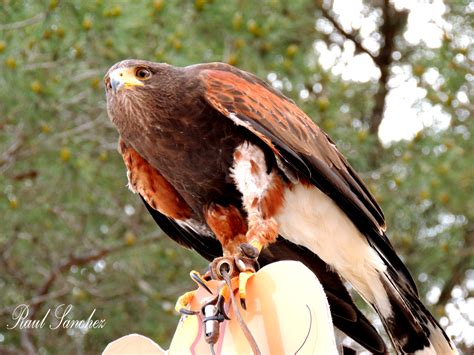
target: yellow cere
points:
(124, 78)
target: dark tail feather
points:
(411, 326)
(359, 329)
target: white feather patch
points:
(311, 219)
(438, 343)
(238, 121)
(251, 184)
(129, 184)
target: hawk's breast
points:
(195, 154)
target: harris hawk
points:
(228, 166)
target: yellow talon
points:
(199, 280)
(257, 244)
(243, 278)
(184, 300)
(225, 292)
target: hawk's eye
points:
(142, 73)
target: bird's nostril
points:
(116, 84)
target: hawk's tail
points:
(411, 327)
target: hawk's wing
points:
(298, 141)
(346, 315)
(167, 207)
(208, 247)
(173, 216)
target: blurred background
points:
(390, 80)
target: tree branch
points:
(24, 23)
(27, 342)
(80, 260)
(19, 278)
(464, 263)
(393, 22)
(348, 35)
(42, 295)
(7, 350)
(8, 157)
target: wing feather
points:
(207, 246)
(297, 140)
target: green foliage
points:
(62, 183)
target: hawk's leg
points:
(239, 260)
(242, 240)
(230, 228)
(262, 196)
(184, 300)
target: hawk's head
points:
(139, 91)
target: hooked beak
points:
(123, 78)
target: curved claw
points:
(188, 312)
(247, 259)
(249, 250)
(243, 279)
(184, 300)
(197, 278)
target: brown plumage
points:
(152, 186)
(217, 155)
